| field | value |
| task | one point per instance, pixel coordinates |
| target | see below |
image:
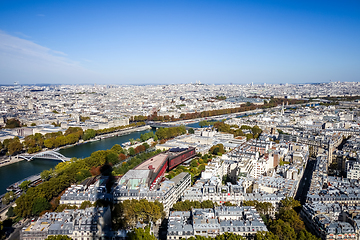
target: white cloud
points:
(22, 35)
(27, 62)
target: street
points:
(304, 184)
(15, 235)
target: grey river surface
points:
(17, 171)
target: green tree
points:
(266, 236)
(166, 133)
(132, 151)
(289, 203)
(112, 158)
(85, 204)
(117, 148)
(10, 213)
(33, 124)
(207, 204)
(146, 145)
(58, 237)
(191, 131)
(62, 207)
(8, 197)
(140, 234)
(249, 136)
(229, 204)
(83, 119)
(49, 143)
(15, 146)
(89, 134)
(40, 204)
(194, 163)
(34, 143)
(146, 136)
(12, 123)
(187, 205)
(282, 229)
(46, 174)
(219, 148)
(305, 235)
(24, 185)
(5, 144)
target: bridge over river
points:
(51, 155)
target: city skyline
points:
(179, 42)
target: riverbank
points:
(122, 132)
(7, 160)
(15, 172)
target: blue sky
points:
(155, 42)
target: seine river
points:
(17, 171)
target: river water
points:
(17, 171)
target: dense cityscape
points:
(169, 120)
(247, 161)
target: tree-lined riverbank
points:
(20, 170)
